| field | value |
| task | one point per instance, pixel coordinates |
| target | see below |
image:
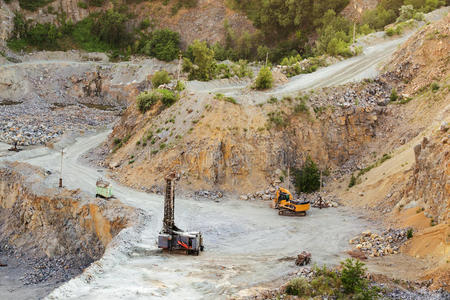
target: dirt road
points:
(246, 243)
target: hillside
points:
(411, 188)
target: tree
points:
(203, 66)
(264, 79)
(164, 45)
(110, 27)
(307, 179)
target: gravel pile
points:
(375, 245)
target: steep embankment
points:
(412, 188)
(216, 144)
(49, 235)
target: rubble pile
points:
(375, 245)
(322, 200)
(31, 123)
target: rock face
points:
(429, 184)
(220, 145)
(58, 223)
(423, 59)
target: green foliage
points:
(379, 17)
(181, 86)
(277, 118)
(110, 27)
(301, 107)
(352, 181)
(394, 95)
(33, 5)
(335, 35)
(203, 65)
(409, 233)
(220, 96)
(82, 4)
(299, 287)
(434, 87)
(159, 78)
(167, 97)
(164, 44)
(307, 179)
(146, 100)
(330, 284)
(264, 79)
(352, 276)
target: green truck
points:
(103, 189)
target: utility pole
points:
(60, 171)
(354, 32)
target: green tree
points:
(203, 66)
(264, 79)
(164, 45)
(352, 276)
(307, 179)
(110, 27)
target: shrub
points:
(164, 44)
(352, 276)
(394, 95)
(167, 97)
(181, 86)
(434, 86)
(146, 100)
(307, 179)
(159, 78)
(301, 107)
(352, 181)
(409, 233)
(264, 79)
(298, 287)
(203, 65)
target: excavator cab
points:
(287, 206)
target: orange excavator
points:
(287, 206)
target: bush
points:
(159, 78)
(146, 100)
(164, 44)
(181, 86)
(167, 97)
(352, 276)
(298, 287)
(200, 62)
(409, 233)
(264, 79)
(352, 181)
(307, 179)
(434, 87)
(394, 95)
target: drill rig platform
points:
(171, 237)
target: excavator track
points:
(290, 213)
